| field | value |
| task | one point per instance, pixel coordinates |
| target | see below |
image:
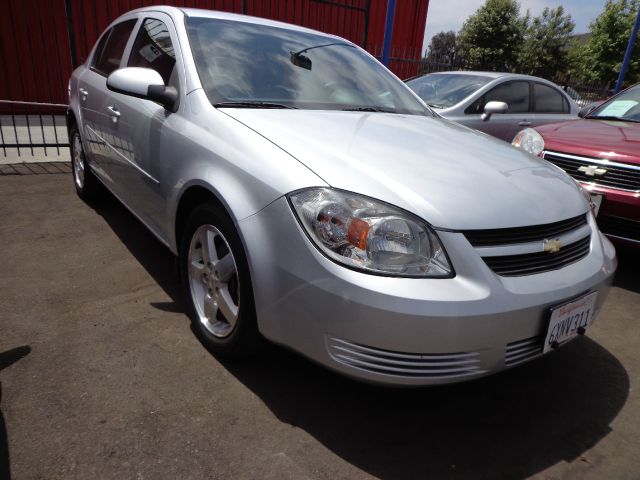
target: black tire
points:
(87, 185)
(243, 338)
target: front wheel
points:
(217, 284)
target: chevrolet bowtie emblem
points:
(552, 245)
(592, 170)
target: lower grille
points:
(619, 227)
(523, 350)
(417, 365)
(532, 263)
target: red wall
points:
(35, 60)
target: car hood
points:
(616, 141)
(451, 176)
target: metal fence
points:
(584, 93)
(404, 61)
(27, 136)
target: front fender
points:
(242, 169)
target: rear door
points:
(549, 105)
(516, 94)
(93, 94)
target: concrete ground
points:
(101, 377)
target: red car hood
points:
(615, 141)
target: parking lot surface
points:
(102, 377)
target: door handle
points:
(115, 113)
(524, 123)
(83, 93)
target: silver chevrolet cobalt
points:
(315, 201)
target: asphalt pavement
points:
(101, 377)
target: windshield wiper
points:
(435, 105)
(250, 105)
(611, 117)
(368, 109)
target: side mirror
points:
(584, 111)
(143, 83)
(493, 107)
(587, 109)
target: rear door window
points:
(548, 100)
(111, 47)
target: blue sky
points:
(451, 14)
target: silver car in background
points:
(474, 98)
(313, 200)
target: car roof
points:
(472, 72)
(491, 75)
(235, 17)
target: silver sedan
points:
(314, 201)
(474, 98)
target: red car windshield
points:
(624, 107)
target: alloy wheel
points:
(213, 281)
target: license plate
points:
(596, 200)
(566, 320)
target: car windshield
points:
(444, 90)
(247, 65)
(624, 107)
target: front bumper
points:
(401, 330)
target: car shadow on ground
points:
(6, 359)
(156, 259)
(510, 425)
(628, 265)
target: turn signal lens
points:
(358, 232)
(362, 233)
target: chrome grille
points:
(617, 175)
(417, 365)
(532, 263)
(523, 350)
(506, 236)
(619, 227)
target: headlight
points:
(529, 140)
(361, 233)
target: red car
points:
(601, 151)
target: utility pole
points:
(388, 32)
(627, 55)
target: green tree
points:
(600, 58)
(443, 47)
(544, 51)
(491, 38)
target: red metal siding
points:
(35, 59)
(35, 62)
